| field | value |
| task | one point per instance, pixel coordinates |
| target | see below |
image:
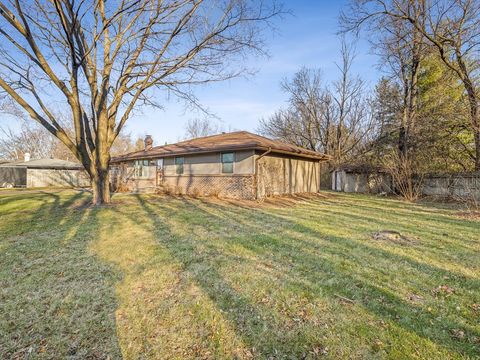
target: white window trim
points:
(233, 163)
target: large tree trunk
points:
(476, 135)
(101, 191)
(101, 188)
(475, 122)
(99, 171)
(402, 131)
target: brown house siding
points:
(210, 164)
(263, 176)
(278, 175)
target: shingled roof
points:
(45, 164)
(234, 141)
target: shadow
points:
(238, 279)
(57, 299)
(302, 262)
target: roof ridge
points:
(210, 136)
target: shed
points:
(361, 179)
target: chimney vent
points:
(26, 157)
(148, 142)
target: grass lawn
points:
(164, 277)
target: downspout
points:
(256, 170)
(319, 174)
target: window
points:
(227, 163)
(138, 169)
(179, 161)
(143, 169)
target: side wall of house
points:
(211, 164)
(122, 178)
(278, 175)
(202, 175)
(56, 178)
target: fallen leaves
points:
(443, 291)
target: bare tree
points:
(35, 140)
(201, 127)
(29, 138)
(99, 60)
(352, 111)
(335, 120)
(450, 26)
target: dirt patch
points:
(394, 237)
(442, 291)
(417, 299)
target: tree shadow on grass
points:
(315, 264)
(57, 299)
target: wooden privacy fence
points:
(460, 186)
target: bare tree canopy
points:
(451, 27)
(99, 60)
(195, 128)
(35, 140)
(334, 119)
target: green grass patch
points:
(164, 277)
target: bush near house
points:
(172, 277)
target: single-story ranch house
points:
(236, 165)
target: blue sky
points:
(305, 38)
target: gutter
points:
(145, 155)
(256, 170)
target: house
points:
(42, 173)
(236, 165)
(361, 179)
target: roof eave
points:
(320, 157)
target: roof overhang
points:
(146, 155)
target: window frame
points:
(222, 162)
(179, 168)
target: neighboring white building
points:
(361, 179)
(43, 173)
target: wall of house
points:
(203, 177)
(278, 175)
(56, 178)
(123, 178)
(227, 186)
(210, 164)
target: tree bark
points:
(474, 119)
(477, 151)
(101, 187)
(99, 172)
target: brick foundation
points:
(228, 186)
